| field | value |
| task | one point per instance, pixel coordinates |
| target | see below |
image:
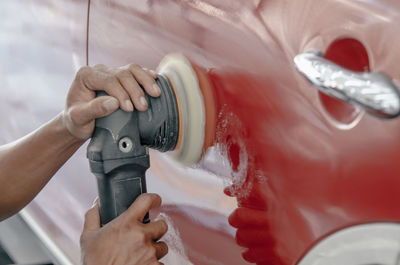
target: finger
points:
(113, 87)
(154, 214)
(96, 80)
(161, 249)
(151, 72)
(251, 237)
(157, 229)
(145, 79)
(142, 205)
(92, 219)
(99, 107)
(100, 67)
(247, 217)
(135, 92)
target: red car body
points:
(289, 166)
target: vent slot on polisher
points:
(160, 137)
(160, 129)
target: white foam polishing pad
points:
(192, 118)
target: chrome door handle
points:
(373, 91)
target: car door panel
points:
(298, 160)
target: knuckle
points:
(83, 71)
(98, 108)
(134, 67)
(147, 199)
(135, 231)
(110, 81)
(99, 66)
(122, 74)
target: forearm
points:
(27, 164)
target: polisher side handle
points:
(119, 189)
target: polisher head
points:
(192, 116)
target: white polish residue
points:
(176, 251)
(231, 125)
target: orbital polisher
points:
(177, 121)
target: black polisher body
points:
(118, 151)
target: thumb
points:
(92, 219)
(96, 108)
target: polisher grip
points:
(119, 162)
(118, 190)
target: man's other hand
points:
(122, 84)
(125, 240)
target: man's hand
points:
(122, 84)
(125, 240)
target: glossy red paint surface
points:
(298, 173)
(291, 166)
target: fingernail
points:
(143, 101)
(156, 89)
(129, 105)
(111, 104)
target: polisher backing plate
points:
(183, 79)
